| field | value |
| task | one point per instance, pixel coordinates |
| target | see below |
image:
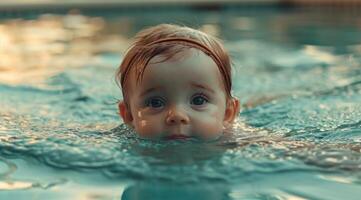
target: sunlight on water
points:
(57, 42)
(14, 185)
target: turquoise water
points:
(296, 72)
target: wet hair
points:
(167, 40)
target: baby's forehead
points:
(192, 66)
(176, 53)
(190, 59)
(193, 59)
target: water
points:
(297, 74)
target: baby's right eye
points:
(155, 102)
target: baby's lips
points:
(177, 137)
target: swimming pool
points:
(296, 71)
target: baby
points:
(176, 84)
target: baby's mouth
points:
(177, 137)
(177, 133)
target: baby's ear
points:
(232, 111)
(125, 113)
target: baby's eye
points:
(155, 102)
(199, 99)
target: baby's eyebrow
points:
(149, 90)
(197, 85)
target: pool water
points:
(297, 73)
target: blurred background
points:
(50, 35)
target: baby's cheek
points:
(148, 128)
(209, 128)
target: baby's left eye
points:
(199, 100)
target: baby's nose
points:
(177, 116)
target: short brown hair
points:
(168, 40)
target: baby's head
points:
(176, 84)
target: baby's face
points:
(177, 99)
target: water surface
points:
(296, 72)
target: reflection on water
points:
(14, 185)
(297, 74)
(33, 50)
